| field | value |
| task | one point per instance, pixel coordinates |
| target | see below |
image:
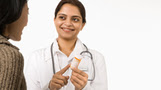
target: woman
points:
(13, 18)
(91, 72)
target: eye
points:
(75, 19)
(62, 17)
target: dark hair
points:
(76, 3)
(10, 11)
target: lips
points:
(67, 29)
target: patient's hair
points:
(10, 11)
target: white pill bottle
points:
(76, 61)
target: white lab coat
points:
(39, 69)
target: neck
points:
(5, 34)
(66, 46)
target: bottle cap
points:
(78, 57)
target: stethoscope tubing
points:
(87, 51)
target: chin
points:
(16, 39)
(68, 38)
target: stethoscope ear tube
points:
(52, 58)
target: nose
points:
(68, 22)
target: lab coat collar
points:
(55, 49)
(79, 47)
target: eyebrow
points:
(72, 16)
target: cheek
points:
(23, 20)
(58, 24)
(78, 27)
(26, 18)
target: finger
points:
(62, 78)
(76, 70)
(67, 77)
(55, 85)
(64, 69)
(76, 84)
(60, 82)
(80, 77)
(78, 81)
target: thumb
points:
(66, 77)
(62, 71)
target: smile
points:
(67, 29)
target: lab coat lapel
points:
(55, 51)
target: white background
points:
(126, 32)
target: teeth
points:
(67, 29)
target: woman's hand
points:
(79, 79)
(58, 80)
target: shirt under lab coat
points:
(39, 69)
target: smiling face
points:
(68, 22)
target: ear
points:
(83, 26)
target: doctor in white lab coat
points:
(89, 75)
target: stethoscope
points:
(87, 51)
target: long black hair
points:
(10, 11)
